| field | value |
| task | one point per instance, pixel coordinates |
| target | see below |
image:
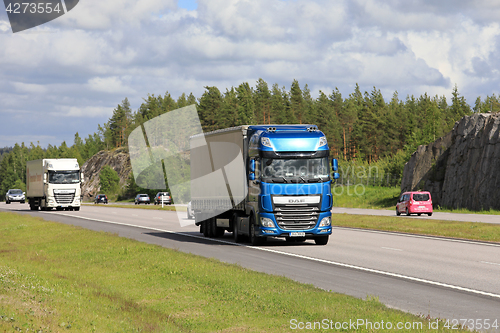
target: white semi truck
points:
(54, 183)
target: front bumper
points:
(17, 199)
(308, 233)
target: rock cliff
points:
(461, 169)
(118, 160)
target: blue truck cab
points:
(289, 170)
(287, 183)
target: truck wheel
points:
(321, 240)
(33, 207)
(237, 237)
(213, 227)
(205, 227)
(254, 239)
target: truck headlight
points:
(266, 142)
(325, 222)
(322, 141)
(266, 222)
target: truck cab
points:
(289, 169)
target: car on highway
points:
(101, 198)
(414, 203)
(15, 195)
(163, 197)
(190, 212)
(142, 198)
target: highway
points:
(423, 275)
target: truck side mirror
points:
(251, 176)
(81, 177)
(44, 178)
(335, 165)
(336, 175)
(252, 166)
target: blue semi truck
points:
(261, 181)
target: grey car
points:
(15, 195)
(142, 198)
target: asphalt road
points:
(423, 275)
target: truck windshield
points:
(305, 170)
(64, 177)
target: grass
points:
(60, 278)
(362, 196)
(464, 230)
(376, 197)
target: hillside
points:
(117, 159)
(460, 169)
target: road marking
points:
(329, 262)
(158, 218)
(420, 236)
(390, 248)
(489, 263)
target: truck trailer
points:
(54, 183)
(263, 181)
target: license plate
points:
(421, 206)
(297, 234)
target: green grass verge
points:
(60, 278)
(464, 230)
(376, 197)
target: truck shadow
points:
(197, 238)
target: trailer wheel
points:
(205, 227)
(213, 227)
(321, 240)
(237, 237)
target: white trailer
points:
(54, 183)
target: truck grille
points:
(296, 217)
(64, 198)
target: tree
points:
(108, 180)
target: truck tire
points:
(33, 207)
(205, 227)
(321, 240)
(237, 237)
(213, 227)
(255, 240)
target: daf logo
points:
(296, 200)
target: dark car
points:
(101, 198)
(14, 195)
(163, 197)
(142, 198)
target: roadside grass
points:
(363, 196)
(60, 278)
(463, 230)
(378, 197)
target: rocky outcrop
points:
(118, 160)
(461, 169)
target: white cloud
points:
(80, 66)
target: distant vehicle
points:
(101, 198)
(190, 212)
(54, 183)
(142, 198)
(414, 203)
(14, 195)
(163, 196)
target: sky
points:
(68, 75)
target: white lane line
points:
(390, 248)
(363, 269)
(158, 218)
(419, 236)
(489, 263)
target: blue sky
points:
(68, 75)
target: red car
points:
(414, 203)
